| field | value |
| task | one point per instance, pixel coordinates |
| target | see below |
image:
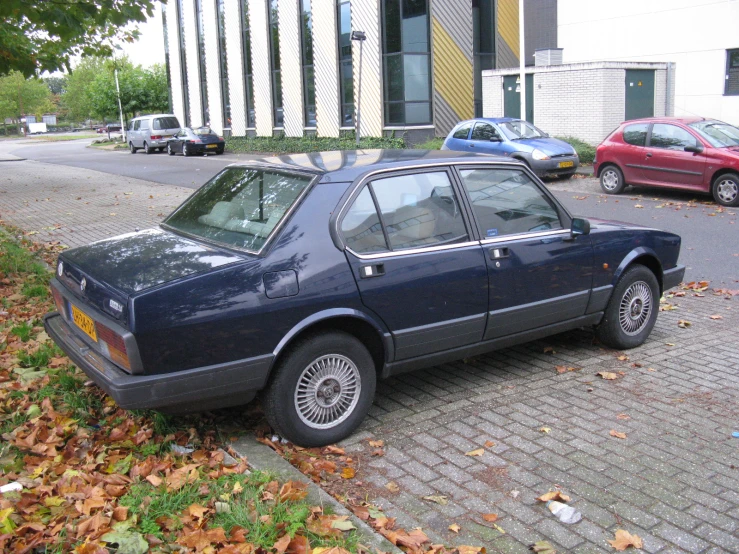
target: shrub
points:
(584, 150)
(293, 145)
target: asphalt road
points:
(710, 248)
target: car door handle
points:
(649, 154)
(369, 271)
(498, 253)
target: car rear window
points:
(239, 207)
(636, 134)
(166, 123)
(203, 131)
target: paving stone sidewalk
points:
(673, 481)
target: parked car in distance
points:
(688, 153)
(200, 140)
(113, 128)
(151, 132)
(307, 284)
(517, 139)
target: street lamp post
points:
(120, 107)
(522, 58)
(361, 37)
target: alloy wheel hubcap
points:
(635, 308)
(327, 391)
(727, 190)
(610, 180)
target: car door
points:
(631, 155)
(459, 139)
(486, 139)
(180, 138)
(538, 275)
(415, 262)
(667, 162)
(136, 138)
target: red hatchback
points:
(685, 153)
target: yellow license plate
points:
(566, 164)
(212, 146)
(84, 322)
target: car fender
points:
(331, 313)
(633, 255)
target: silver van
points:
(151, 132)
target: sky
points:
(149, 49)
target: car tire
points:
(219, 151)
(132, 148)
(169, 150)
(333, 365)
(632, 310)
(725, 189)
(612, 180)
(147, 150)
(186, 150)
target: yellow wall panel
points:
(453, 76)
(508, 23)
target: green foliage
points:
(585, 151)
(293, 145)
(19, 95)
(76, 97)
(56, 85)
(45, 35)
(431, 144)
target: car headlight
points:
(539, 155)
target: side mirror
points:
(579, 226)
(697, 149)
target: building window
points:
(407, 63)
(223, 65)
(248, 82)
(732, 72)
(346, 75)
(309, 83)
(483, 44)
(166, 57)
(274, 45)
(183, 63)
(201, 62)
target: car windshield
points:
(203, 131)
(517, 130)
(166, 123)
(718, 133)
(239, 207)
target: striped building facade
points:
(266, 67)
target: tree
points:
(56, 84)
(38, 36)
(20, 96)
(76, 98)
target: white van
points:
(151, 132)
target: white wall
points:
(694, 34)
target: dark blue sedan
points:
(518, 139)
(308, 277)
(199, 140)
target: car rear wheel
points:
(321, 390)
(147, 149)
(169, 149)
(132, 148)
(726, 189)
(219, 151)
(612, 180)
(632, 310)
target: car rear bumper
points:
(215, 147)
(672, 277)
(228, 381)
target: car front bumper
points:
(241, 379)
(672, 277)
(554, 165)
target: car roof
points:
(154, 115)
(683, 120)
(347, 165)
(490, 120)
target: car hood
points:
(137, 261)
(550, 146)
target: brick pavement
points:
(673, 480)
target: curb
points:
(13, 159)
(262, 457)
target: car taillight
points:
(196, 141)
(114, 344)
(156, 137)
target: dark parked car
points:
(199, 140)
(518, 139)
(308, 284)
(695, 154)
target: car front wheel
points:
(321, 390)
(169, 149)
(726, 189)
(132, 148)
(612, 180)
(631, 311)
(186, 150)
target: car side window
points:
(419, 210)
(508, 202)
(136, 125)
(144, 124)
(484, 131)
(462, 132)
(671, 137)
(361, 226)
(636, 134)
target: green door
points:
(512, 97)
(639, 93)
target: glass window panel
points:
(393, 41)
(670, 137)
(416, 77)
(717, 133)
(251, 113)
(484, 131)
(183, 64)
(463, 132)
(345, 29)
(417, 113)
(419, 210)
(394, 77)
(414, 33)
(636, 134)
(507, 202)
(201, 59)
(395, 113)
(361, 226)
(225, 98)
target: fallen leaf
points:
(489, 444)
(608, 375)
(638, 206)
(545, 429)
(545, 547)
(564, 368)
(377, 444)
(342, 524)
(281, 544)
(478, 452)
(454, 528)
(549, 350)
(623, 416)
(436, 498)
(554, 495)
(331, 449)
(490, 517)
(670, 344)
(617, 434)
(683, 323)
(624, 539)
(716, 316)
(392, 486)
(129, 542)
(348, 473)
(464, 549)
(623, 358)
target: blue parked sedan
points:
(308, 277)
(518, 139)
